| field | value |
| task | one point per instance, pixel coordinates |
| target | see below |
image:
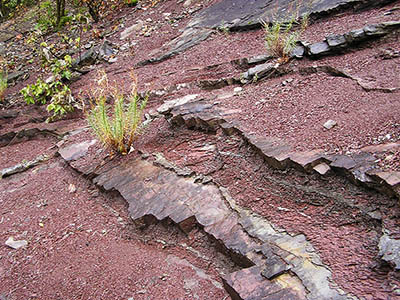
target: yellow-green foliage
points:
(281, 36)
(3, 84)
(116, 129)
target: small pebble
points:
(330, 124)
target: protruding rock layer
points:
(276, 263)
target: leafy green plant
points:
(116, 128)
(47, 16)
(131, 2)
(9, 8)
(62, 103)
(53, 91)
(3, 84)
(282, 35)
(223, 28)
(37, 92)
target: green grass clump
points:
(116, 128)
(281, 36)
(3, 84)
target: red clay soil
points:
(83, 245)
(295, 112)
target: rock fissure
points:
(147, 189)
(359, 168)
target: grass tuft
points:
(282, 36)
(116, 128)
(3, 84)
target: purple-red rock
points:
(249, 284)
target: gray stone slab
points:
(274, 265)
(11, 77)
(242, 15)
(336, 40)
(239, 15)
(389, 250)
(318, 49)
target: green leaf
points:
(68, 59)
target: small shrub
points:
(119, 130)
(3, 84)
(281, 36)
(56, 93)
(53, 91)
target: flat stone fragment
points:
(389, 250)
(391, 25)
(298, 52)
(258, 59)
(22, 166)
(15, 244)
(259, 71)
(318, 49)
(322, 168)
(355, 36)
(273, 150)
(89, 57)
(360, 173)
(76, 151)
(375, 30)
(343, 162)
(128, 31)
(330, 124)
(308, 158)
(336, 40)
(201, 114)
(391, 178)
(169, 105)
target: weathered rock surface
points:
(360, 168)
(338, 43)
(76, 151)
(243, 15)
(168, 105)
(128, 31)
(199, 114)
(318, 49)
(239, 15)
(260, 71)
(15, 76)
(24, 134)
(248, 284)
(155, 193)
(23, 166)
(389, 250)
